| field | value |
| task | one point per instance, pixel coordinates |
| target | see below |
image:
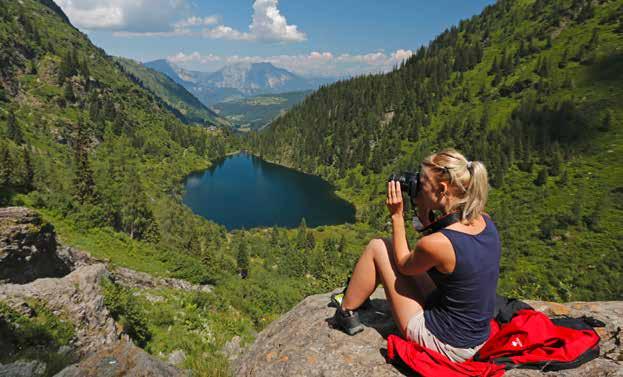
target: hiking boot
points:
(348, 321)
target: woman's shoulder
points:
(435, 244)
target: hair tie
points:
(469, 164)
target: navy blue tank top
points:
(459, 310)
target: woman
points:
(442, 294)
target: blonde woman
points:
(442, 293)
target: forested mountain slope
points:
(79, 138)
(183, 103)
(533, 89)
(253, 113)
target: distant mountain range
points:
(237, 81)
(180, 102)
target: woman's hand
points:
(394, 201)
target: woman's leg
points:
(406, 294)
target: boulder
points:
(121, 359)
(28, 247)
(303, 342)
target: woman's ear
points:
(443, 188)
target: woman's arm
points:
(408, 263)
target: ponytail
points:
(477, 191)
(468, 179)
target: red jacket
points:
(529, 339)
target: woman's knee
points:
(377, 247)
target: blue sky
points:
(313, 38)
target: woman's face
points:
(430, 195)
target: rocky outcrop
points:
(79, 297)
(28, 248)
(33, 266)
(121, 359)
(142, 280)
(303, 342)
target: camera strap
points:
(442, 222)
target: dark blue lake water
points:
(243, 191)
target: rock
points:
(176, 357)
(232, 349)
(142, 280)
(79, 296)
(28, 247)
(304, 343)
(67, 281)
(121, 359)
(23, 368)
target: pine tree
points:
(84, 184)
(543, 67)
(28, 174)
(564, 59)
(68, 93)
(301, 235)
(541, 179)
(341, 245)
(242, 259)
(594, 41)
(495, 66)
(556, 160)
(66, 68)
(310, 241)
(606, 124)
(136, 218)
(523, 50)
(14, 132)
(586, 12)
(564, 178)
(6, 166)
(84, 69)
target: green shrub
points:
(36, 336)
(126, 311)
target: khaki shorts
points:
(417, 332)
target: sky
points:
(308, 37)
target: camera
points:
(409, 183)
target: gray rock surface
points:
(121, 359)
(77, 295)
(303, 342)
(137, 279)
(23, 368)
(176, 357)
(27, 247)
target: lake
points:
(243, 191)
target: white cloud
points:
(196, 21)
(161, 18)
(313, 64)
(268, 24)
(225, 32)
(124, 15)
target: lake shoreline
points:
(281, 196)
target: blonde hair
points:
(468, 179)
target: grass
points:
(37, 336)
